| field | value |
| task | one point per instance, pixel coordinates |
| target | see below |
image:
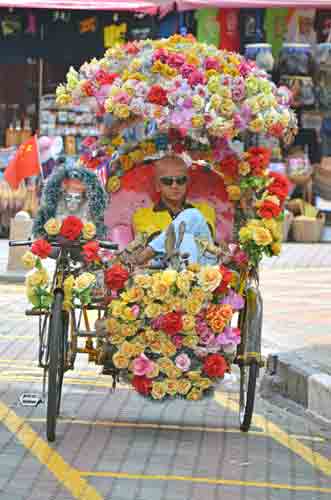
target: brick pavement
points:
(121, 444)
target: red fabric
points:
(230, 33)
(24, 164)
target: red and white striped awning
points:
(149, 6)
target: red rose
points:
(226, 278)
(269, 210)
(215, 366)
(172, 323)
(142, 385)
(116, 276)
(157, 95)
(87, 88)
(90, 251)
(104, 78)
(41, 248)
(279, 186)
(229, 166)
(259, 158)
(71, 227)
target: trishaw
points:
(175, 327)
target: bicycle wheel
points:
(57, 347)
(248, 377)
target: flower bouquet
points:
(170, 332)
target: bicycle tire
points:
(56, 365)
(247, 397)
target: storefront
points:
(293, 44)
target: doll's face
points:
(73, 201)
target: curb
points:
(12, 277)
(286, 375)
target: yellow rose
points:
(122, 111)
(29, 260)
(159, 390)
(245, 234)
(191, 341)
(113, 326)
(139, 348)
(192, 59)
(234, 192)
(256, 125)
(116, 308)
(194, 375)
(143, 280)
(209, 278)
(227, 107)
(120, 361)
(276, 248)
(274, 227)
(168, 71)
(195, 394)
(165, 364)
(160, 290)
(203, 383)
(210, 73)
(127, 349)
(224, 92)
(173, 372)
(193, 306)
(213, 84)
(198, 294)
(169, 277)
(52, 227)
(129, 330)
(127, 314)
(194, 267)
(188, 323)
(197, 102)
(168, 349)
(84, 281)
(116, 339)
(109, 105)
(153, 373)
(244, 168)
(183, 386)
(157, 66)
(113, 184)
(176, 304)
(153, 310)
(262, 236)
(134, 294)
(172, 386)
(89, 231)
(38, 278)
(197, 121)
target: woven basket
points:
(308, 230)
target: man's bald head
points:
(170, 166)
(171, 179)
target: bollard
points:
(20, 229)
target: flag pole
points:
(39, 160)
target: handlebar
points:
(109, 245)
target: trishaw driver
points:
(171, 177)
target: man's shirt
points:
(153, 220)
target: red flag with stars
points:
(25, 163)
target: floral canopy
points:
(193, 100)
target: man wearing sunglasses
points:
(171, 177)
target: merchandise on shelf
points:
(72, 123)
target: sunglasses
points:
(169, 181)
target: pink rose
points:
(211, 63)
(187, 69)
(207, 337)
(183, 362)
(135, 310)
(176, 60)
(122, 98)
(177, 341)
(195, 78)
(142, 365)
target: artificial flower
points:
(209, 278)
(116, 276)
(215, 365)
(90, 251)
(71, 228)
(159, 390)
(172, 323)
(142, 385)
(37, 278)
(84, 280)
(261, 236)
(41, 248)
(29, 260)
(52, 227)
(89, 231)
